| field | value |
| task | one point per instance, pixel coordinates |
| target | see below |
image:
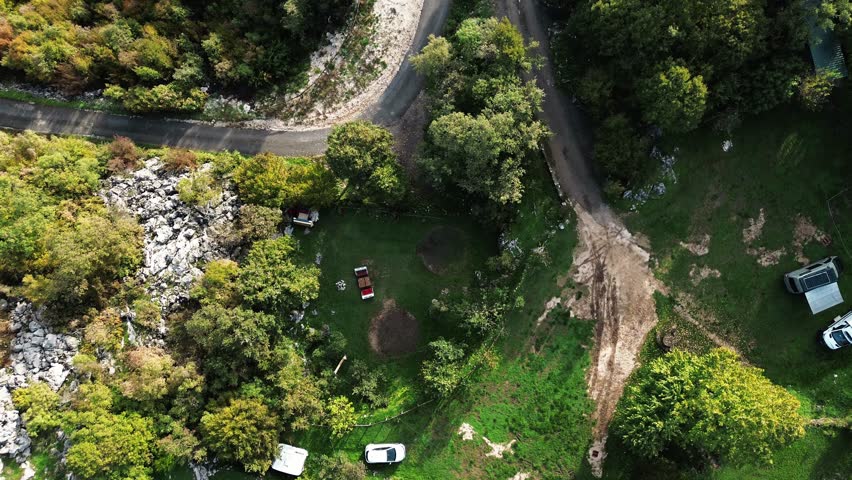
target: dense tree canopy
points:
(279, 182)
(673, 64)
(735, 46)
(707, 404)
(244, 431)
(484, 114)
(159, 53)
(362, 154)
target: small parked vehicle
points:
(365, 285)
(839, 333)
(815, 275)
(387, 453)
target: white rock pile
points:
(38, 354)
(178, 237)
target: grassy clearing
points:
(787, 163)
(387, 246)
(537, 398)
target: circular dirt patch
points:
(394, 331)
(442, 247)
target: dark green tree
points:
(362, 155)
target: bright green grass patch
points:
(788, 163)
(388, 246)
(103, 105)
(716, 194)
(11, 470)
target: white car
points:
(386, 453)
(839, 333)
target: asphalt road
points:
(391, 106)
(569, 149)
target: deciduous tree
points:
(244, 431)
(362, 154)
(710, 404)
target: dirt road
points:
(609, 262)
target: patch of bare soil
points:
(767, 258)
(620, 284)
(441, 248)
(698, 274)
(806, 232)
(698, 248)
(6, 337)
(755, 228)
(394, 332)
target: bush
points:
(199, 189)
(25, 219)
(40, 405)
(85, 260)
(179, 159)
(620, 151)
(442, 371)
(123, 155)
(258, 222)
(362, 154)
(815, 89)
(162, 98)
(270, 279)
(105, 445)
(218, 285)
(277, 182)
(147, 312)
(244, 431)
(341, 416)
(105, 331)
(338, 467)
(370, 384)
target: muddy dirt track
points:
(608, 261)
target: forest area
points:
(165, 55)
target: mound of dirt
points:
(440, 248)
(394, 332)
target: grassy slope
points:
(787, 162)
(537, 398)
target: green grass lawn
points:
(787, 162)
(388, 247)
(537, 398)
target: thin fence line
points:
(834, 221)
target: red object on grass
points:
(366, 291)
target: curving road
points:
(391, 106)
